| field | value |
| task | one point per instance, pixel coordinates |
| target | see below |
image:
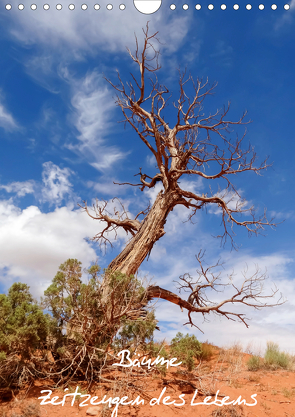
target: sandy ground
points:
(226, 373)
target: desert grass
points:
(230, 411)
(273, 359)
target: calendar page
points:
(147, 208)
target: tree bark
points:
(151, 230)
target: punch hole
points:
(185, 7)
(236, 7)
(84, 7)
(274, 7)
(8, 6)
(109, 6)
(248, 7)
(71, 6)
(96, 7)
(223, 6)
(147, 6)
(58, 7)
(46, 7)
(261, 6)
(33, 6)
(172, 6)
(287, 6)
(21, 7)
(122, 7)
(210, 6)
(198, 7)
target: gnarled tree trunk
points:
(151, 230)
(183, 150)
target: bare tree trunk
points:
(151, 230)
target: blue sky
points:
(61, 143)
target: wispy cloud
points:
(7, 121)
(281, 215)
(286, 18)
(106, 186)
(73, 35)
(93, 108)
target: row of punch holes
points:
(123, 7)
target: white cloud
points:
(56, 183)
(20, 188)
(6, 119)
(78, 33)
(33, 244)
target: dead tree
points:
(196, 145)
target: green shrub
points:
(186, 349)
(23, 326)
(87, 314)
(254, 363)
(273, 358)
(138, 333)
(93, 316)
(23, 337)
(87, 319)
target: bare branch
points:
(112, 224)
(250, 293)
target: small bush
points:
(186, 349)
(273, 358)
(236, 349)
(207, 351)
(254, 363)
